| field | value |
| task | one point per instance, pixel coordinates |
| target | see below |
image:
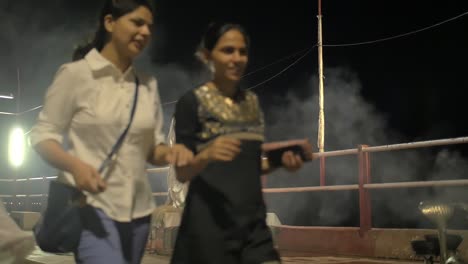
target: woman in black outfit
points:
(224, 216)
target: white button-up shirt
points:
(90, 101)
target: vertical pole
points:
(322, 171)
(321, 128)
(16, 183)
(18, 92)
(26, 184)
(365, 213)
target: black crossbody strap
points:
(112, 154)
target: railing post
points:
(27, 199)
(15, 199)
(365, 213)
(322, 171)
(44, 193)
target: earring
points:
(211, 67)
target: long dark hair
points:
(216, 30)
(116, 8)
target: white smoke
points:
(350, 121)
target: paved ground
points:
(40, 257)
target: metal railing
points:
(364, 178)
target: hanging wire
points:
(276, 62)
(397, 36)
(169, 103)
(283, 70)
(30, 110)
(7, 113)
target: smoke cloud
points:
(351, 120)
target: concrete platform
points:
(317, 245)
(39, 257)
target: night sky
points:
(407, 89)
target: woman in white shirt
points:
(90, 101)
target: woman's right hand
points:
(222, 149)
(87, 178)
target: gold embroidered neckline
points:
(221, 115)
(228, 100)
(225, 108)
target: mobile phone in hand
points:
(275, 156)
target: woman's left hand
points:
(291, 162)
(178, 155)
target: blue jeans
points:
(104, 240)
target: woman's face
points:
(131, 32)
(230, 56)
